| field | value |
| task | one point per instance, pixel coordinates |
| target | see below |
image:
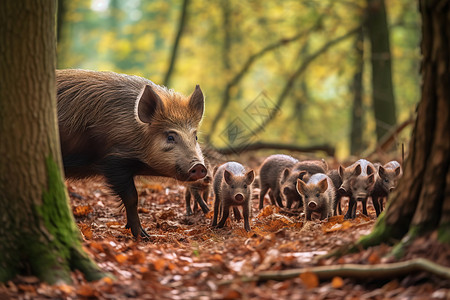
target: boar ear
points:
(228, 177)
(357, 170)
(341, 172)
(286, 174)
(302, 174)
(398, 170)
(371, 178)
(301, 187)
(148, 104)
(370, 170)
(250, 176)
(197, 102)
(382, 172)
(323, 185)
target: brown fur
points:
(120, 126)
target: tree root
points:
(378, 271)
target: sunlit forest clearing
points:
(192, 149)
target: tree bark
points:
(422, 201)
(38, 231)
(382, 88)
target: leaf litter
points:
(186, 259)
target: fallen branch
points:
(275, 146)
(378, 271)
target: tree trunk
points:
(176, 42)
(422, 201)
(38, 232)
(356, 133)
(382, 89)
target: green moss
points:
(444, 233)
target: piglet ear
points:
(301, 186)
(357, 170)
(249, 177)
(148, 104)
(286, 174)
(341, 172)
(398, 171)
(382, 172)
(197, 103)
(323, 185)
(371, 179)
(302, 174)
(228, 177)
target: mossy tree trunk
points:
(382, 88)
(38, 232)
(422, 201)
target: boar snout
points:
(312, 205)
(239, 197)
(197, 172)
(391, 189)
(361, 197)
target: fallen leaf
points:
(82, 210)
(337, 282)
(121, 258)
(309, 279)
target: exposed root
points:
(378, 271)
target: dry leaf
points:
(121, 258)
(310, 280)
(337, 282)
(86, 291)
(82, 210)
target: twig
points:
(378, 271)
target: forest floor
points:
(186, 259)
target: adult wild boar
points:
(120, 126)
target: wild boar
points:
(270, 173)
(301, 170)
(200, 191)
(120, 126)
(360, 187)
(386, 182)
(337, 182)
(318, 195)
(232, 188)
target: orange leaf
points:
(82, 210)
(65, 288)
(86, 231)
(86, 291)
(337, 282)
(159, 264)
(374, 259)
(121, 258)
(107, 280)
(310, 280)
(97, 246)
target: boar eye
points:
(318, 194)
(196, 138)
(170, 139)
(245, 186)
(306, 196)
(232, 186)
(386, 180)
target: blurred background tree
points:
(340, 73)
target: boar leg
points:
(216, 209)
(187, 197)
(272, 198)
(289, 202)
(246, 213)
(261, 196)
(351, 205)
(225, 214)
(237, 213)
(279, 200)
(308, 214)
(376, 204)
(119, 173)
(199, 200)
(364, 207)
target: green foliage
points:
(136, 37)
